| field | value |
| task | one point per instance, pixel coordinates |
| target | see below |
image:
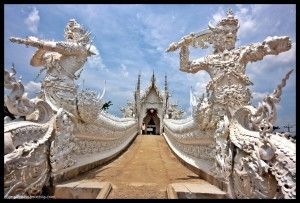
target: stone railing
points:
(242, 155)
(72, 148)
(91, 144)
(194, 147)
(46, 146)
(26, 160)
(264, 162)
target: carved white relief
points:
(100, 136)
(253, 173)
(19, 105)
(128, 111)
(268, 153)
(26, 167)
(223, 152)
(67, 125)
(63, 145)
(78, 124)
(62, 62)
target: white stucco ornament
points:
(70, 129)
(64, 131)
(238, 131)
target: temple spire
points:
(166, 96)
(153, 78)
(137, 104)
(229, 12)
(138, 85)
(138, 90)
(166, 83)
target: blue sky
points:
(132, 38)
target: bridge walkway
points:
(143, 171)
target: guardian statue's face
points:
(229, 39)
(224, 33)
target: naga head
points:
(224, 34)
(74, 32)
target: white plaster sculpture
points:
(268, 157)
(68, 129)
(62, 61)
(26, 143)
(18, 103)
(174, 112)
(221, 112)
(128, 110)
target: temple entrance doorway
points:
(152, 122)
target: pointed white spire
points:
(166, 83)
(153, 78)
(138, 86)
(193, 100)
(103, 92)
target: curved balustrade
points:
(96, 143)
(194, 147)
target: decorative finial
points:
(166, 83)
(153, 78)
(229, 12)
(138, 86)
(228, 22)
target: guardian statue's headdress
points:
(75, 32)
(228, 23)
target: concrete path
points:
(143, 171)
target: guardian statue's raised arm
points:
(226, 61)
(62, 60)
(223, 37)
(67, 48)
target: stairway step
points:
(82, 190)
(203, 190)
(137, 192)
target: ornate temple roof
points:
(151, 86)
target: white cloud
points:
(171, 59)
(95, 61)
(258, 97)
(248, 23)
(200, 80)
(124, 70)
(219, 15)
(32, 88)
(258, 8)
(156, 34)
(244, 10)
(32, 20)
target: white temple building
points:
(151, 106)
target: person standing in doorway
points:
(143, 129)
